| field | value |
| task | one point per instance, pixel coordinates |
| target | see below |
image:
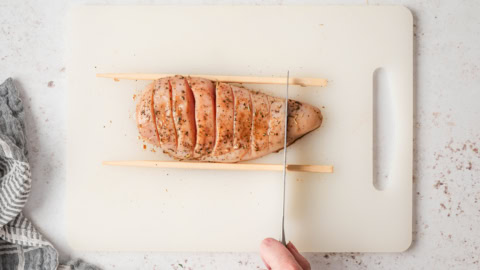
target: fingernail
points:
(293, 246)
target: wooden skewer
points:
(220, 78)
(221, 166)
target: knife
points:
(285, 162)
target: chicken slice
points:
(146, 118)
(183, 116)
(242, 122)
(276, 125)
(224, 124)
(204, 93)
(162, 106)
(260, 123)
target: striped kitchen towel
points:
(22, 247)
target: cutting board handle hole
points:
(383, 128)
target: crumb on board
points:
(153, 150)
(144, 146)
(134, 96)
(116, 79)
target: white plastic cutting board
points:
(116, 208)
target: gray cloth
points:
(21, 245)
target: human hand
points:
(278, 257)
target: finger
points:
(299, 257)
(264, 262)
(276, 256)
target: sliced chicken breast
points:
(193, 118)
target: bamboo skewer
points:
(220, 78)
(221, 166)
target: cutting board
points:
(151, 209)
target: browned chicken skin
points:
(197, 119)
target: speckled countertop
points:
(447, 136)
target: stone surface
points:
(447, 136)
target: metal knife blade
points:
(285, 162)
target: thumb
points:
(276, 256)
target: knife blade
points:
(282, 240)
